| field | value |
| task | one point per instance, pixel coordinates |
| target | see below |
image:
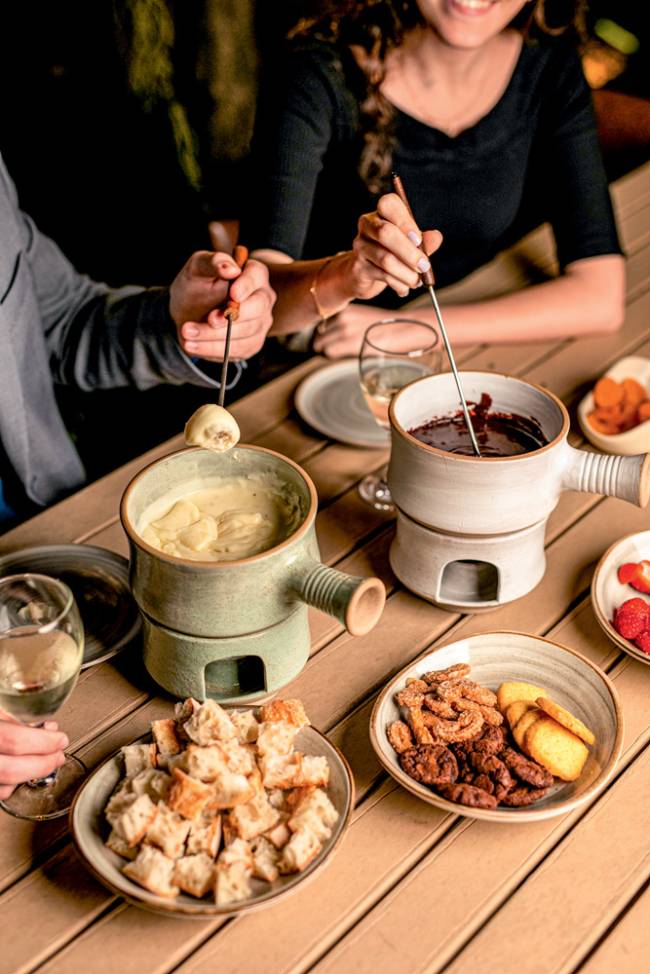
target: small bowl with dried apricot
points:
(615, 415)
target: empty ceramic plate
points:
(568, 678)
(99, 581)
(633, 441)
(90, 830)
(330, 400)
(607, 593)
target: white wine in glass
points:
(41, 651)
(394, 352)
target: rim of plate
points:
(118, 561)
(529, 814)
(302, 391)
(601, 618)
(204, 909)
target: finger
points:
(392, 239)
(14, 770)
(432, 241)
(239, 349)
(254, 277)
(389, 264)
(258, 305)
(18, 739)
(391, 208)
(211, 264)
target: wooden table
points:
(411, 888)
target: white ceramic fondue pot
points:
(459, 509)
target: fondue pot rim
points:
(138, 540)
(470, 458)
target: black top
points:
(534, 156)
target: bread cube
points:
(265, 859)
(187, 796)
(280, 770)
(275, 738)
(120, 846)
(165, 736)
(154, 871)
(300, 850)
(138, 757)
(168, 832)
(246, 726)
(315, 813)
(152, 782)
(133, 823)
(205, 836)
(209, 724)
(253, 818)
(314, 772)
(195, 874)
(287, 711)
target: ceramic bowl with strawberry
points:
(620, 594)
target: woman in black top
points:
(487, 118)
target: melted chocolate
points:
(498, 434)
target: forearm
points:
(587, 300)
(305, 286)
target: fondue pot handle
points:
(627, 478)
(356, 602)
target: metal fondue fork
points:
(231, 313)
(428, 281)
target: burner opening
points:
(467, 580)
(234, 677)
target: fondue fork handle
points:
(231, 314)
(428, 281)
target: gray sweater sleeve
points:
(98, 337)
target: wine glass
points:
(41, 651)
(393, 353)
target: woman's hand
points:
(28, 752)
(387, 251)
(198, 290)
(342, 335)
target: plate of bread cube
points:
(216, 811)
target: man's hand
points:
(28, 752)
(197, 299)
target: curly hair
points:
(377, 27)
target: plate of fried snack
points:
(216, 811)
(615, 415)
(502, 726)
(620, 594)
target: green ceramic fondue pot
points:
(235, 630)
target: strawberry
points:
(643, 642)
(641, 579)
(627, 572)
(632, 618)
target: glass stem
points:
(49, 779)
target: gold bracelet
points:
(322, 314)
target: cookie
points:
(513, 690)
(555, 748)
(517, 709)
(564, 717)
(524, 723)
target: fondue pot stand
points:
(470, 531)
(235, 631)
